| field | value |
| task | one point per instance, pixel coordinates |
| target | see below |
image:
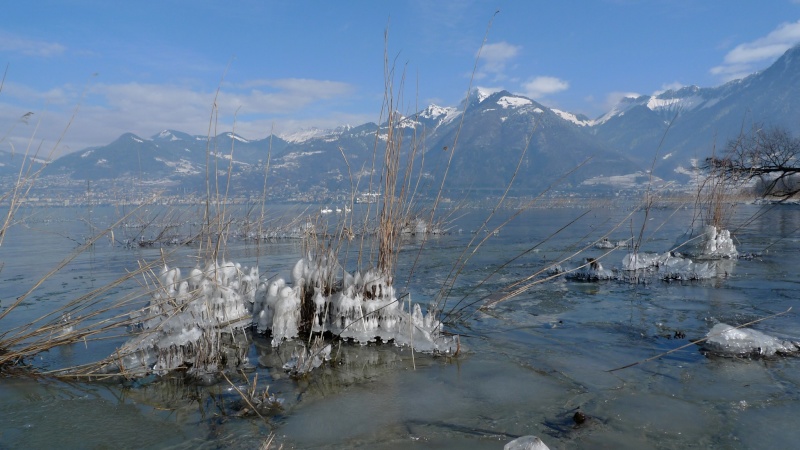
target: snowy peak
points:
(437, 116)
(170, 135)
(478, 95)
(165, 135)
(687, 98)
(437, 112)
(308, 134)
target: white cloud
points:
(612, 98)
(495, 57)
(29, 47)
(746, 58)
(539, 87)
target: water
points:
(527, 365)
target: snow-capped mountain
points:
(501, 134)
(692, 122)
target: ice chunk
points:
(526, 443)
(639, 261)
(604, 244)
(718, 244)
(726, 340)
(712, 243)
(592, 270)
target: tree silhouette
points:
(770, 156)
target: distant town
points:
(64, 191)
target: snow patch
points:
(442, 115)
(513, 102)
(307, 134)
(238, 138)
(168, 134)
(572, 118)
(291, 159)
(182, 166)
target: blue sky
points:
(146, 66)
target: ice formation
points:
(526, 443)
(668, 266)
(191, 322)
(197, 323)
(606, 244)
(306, 360)
(641, 266)
(712, 244)
(361, 306)
(726, 340)
(717, 244)
(592, 270)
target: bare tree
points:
(770, 156)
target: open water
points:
(526, 367)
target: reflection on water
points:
(528, 365)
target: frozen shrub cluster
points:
(192, 322)
(360, 306)
(197, 322)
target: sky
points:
(91, 70)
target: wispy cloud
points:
(746, 58)
(285, 95)
(61, 95)
(538, 87)
(29, 47)
(108, 110)
(494, 59)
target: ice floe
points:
(726, 340)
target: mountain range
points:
(489, 139)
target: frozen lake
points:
(528, 364)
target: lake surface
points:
(527, 365)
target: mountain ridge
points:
(501, 136)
